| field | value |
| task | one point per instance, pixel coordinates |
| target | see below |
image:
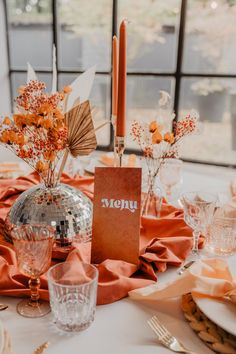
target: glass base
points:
(212, 250)
(27, 309)
(75, 327)
(151, 206)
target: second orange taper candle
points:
(121, 104)
(114, 75)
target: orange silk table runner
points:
(165, 241)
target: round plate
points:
(221, 312)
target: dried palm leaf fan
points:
(81, 133)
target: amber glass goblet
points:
(33, 245)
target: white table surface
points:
(120, 327)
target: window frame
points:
(177, 75)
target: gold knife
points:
(41, 348)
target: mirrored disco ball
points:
(64, 207)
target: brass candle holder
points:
(113, 122)
(119, 149)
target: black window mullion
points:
(114, 17)
(8, 48)
(178, 73)
(166, 74)
(55, 30)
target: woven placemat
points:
(216, 338)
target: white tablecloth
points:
(120, 327)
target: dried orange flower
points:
(21, 89)
(49, 155)
(156, 137)
(169, 138)
(5, 137)
(12, 136)
(41, 166)
(31, 119)
(21, 139)
(45, 109)
(153, 126)
(20, 120)
(47, 123)
(7, 121)
(67, 89)
(58, 114)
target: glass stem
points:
(151, 181)
(168, 192)
(34, 285)
(196, 235)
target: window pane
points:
(30, 33)
(142, 99)
(210, 43)
(85, 34)
(152, 34)
(217, 108)
(100, 103)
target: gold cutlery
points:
(3, 307)
(185, 266)
(41, 348)
(166, 338)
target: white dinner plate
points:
(221, 312)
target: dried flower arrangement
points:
(158, 145)
(43, 130)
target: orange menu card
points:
(116, 214)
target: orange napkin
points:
(233, 188)
(108, 160)
(211, 277)
(232, 204)
(163, 242)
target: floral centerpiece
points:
(44, 130)
(37, 133)
(157, 145)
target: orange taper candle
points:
(114, 75)
(121, 105)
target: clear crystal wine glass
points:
(33, 245)
(221, 234)
(170, 175)
(199, 208)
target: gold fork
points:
(166, 338)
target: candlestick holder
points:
(113, 122)
(119, 148)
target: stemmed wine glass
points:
(33, 245)
(199, 208)
(170, 175)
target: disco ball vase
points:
(63, 207)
